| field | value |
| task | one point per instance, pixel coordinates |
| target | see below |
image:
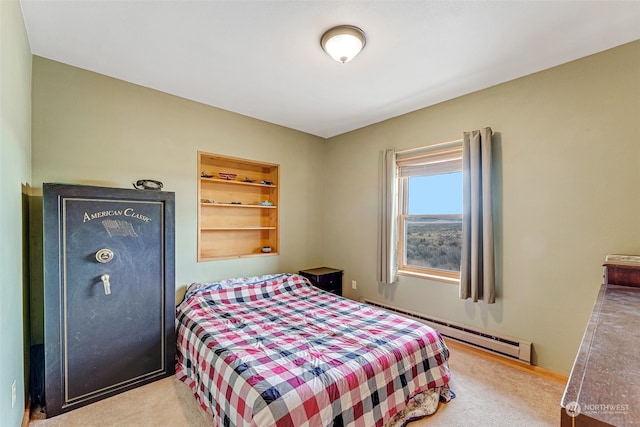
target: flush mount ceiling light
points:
(343, 42)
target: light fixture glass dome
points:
(343, 42)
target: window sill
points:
(438, 278)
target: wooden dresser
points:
(604, 385)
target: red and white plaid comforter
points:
(283, 353)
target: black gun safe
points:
(109, 290)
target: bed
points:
(275, 351)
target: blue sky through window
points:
(436, 194)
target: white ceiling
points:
(263, 58)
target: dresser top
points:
(605, 379)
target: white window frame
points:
(434, 162)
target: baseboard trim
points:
(535, 370)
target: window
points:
(430, 214)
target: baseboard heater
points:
(505, 346)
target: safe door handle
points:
(106, 284)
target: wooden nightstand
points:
(325, 278)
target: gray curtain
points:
(387, 223)
(477, 272)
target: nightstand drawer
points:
(328, 279)
(330, 282)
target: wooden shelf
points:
(234, 205)
(235, 230)
(236, 181)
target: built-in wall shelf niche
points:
(238, 203)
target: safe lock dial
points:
(104, 255)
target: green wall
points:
(96, 130)
(568, 150)
(15, 176)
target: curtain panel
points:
(477, 271)
(387, 219)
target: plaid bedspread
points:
(281, 352)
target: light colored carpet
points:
(488, 393)
(167, 402)
(492, 394)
